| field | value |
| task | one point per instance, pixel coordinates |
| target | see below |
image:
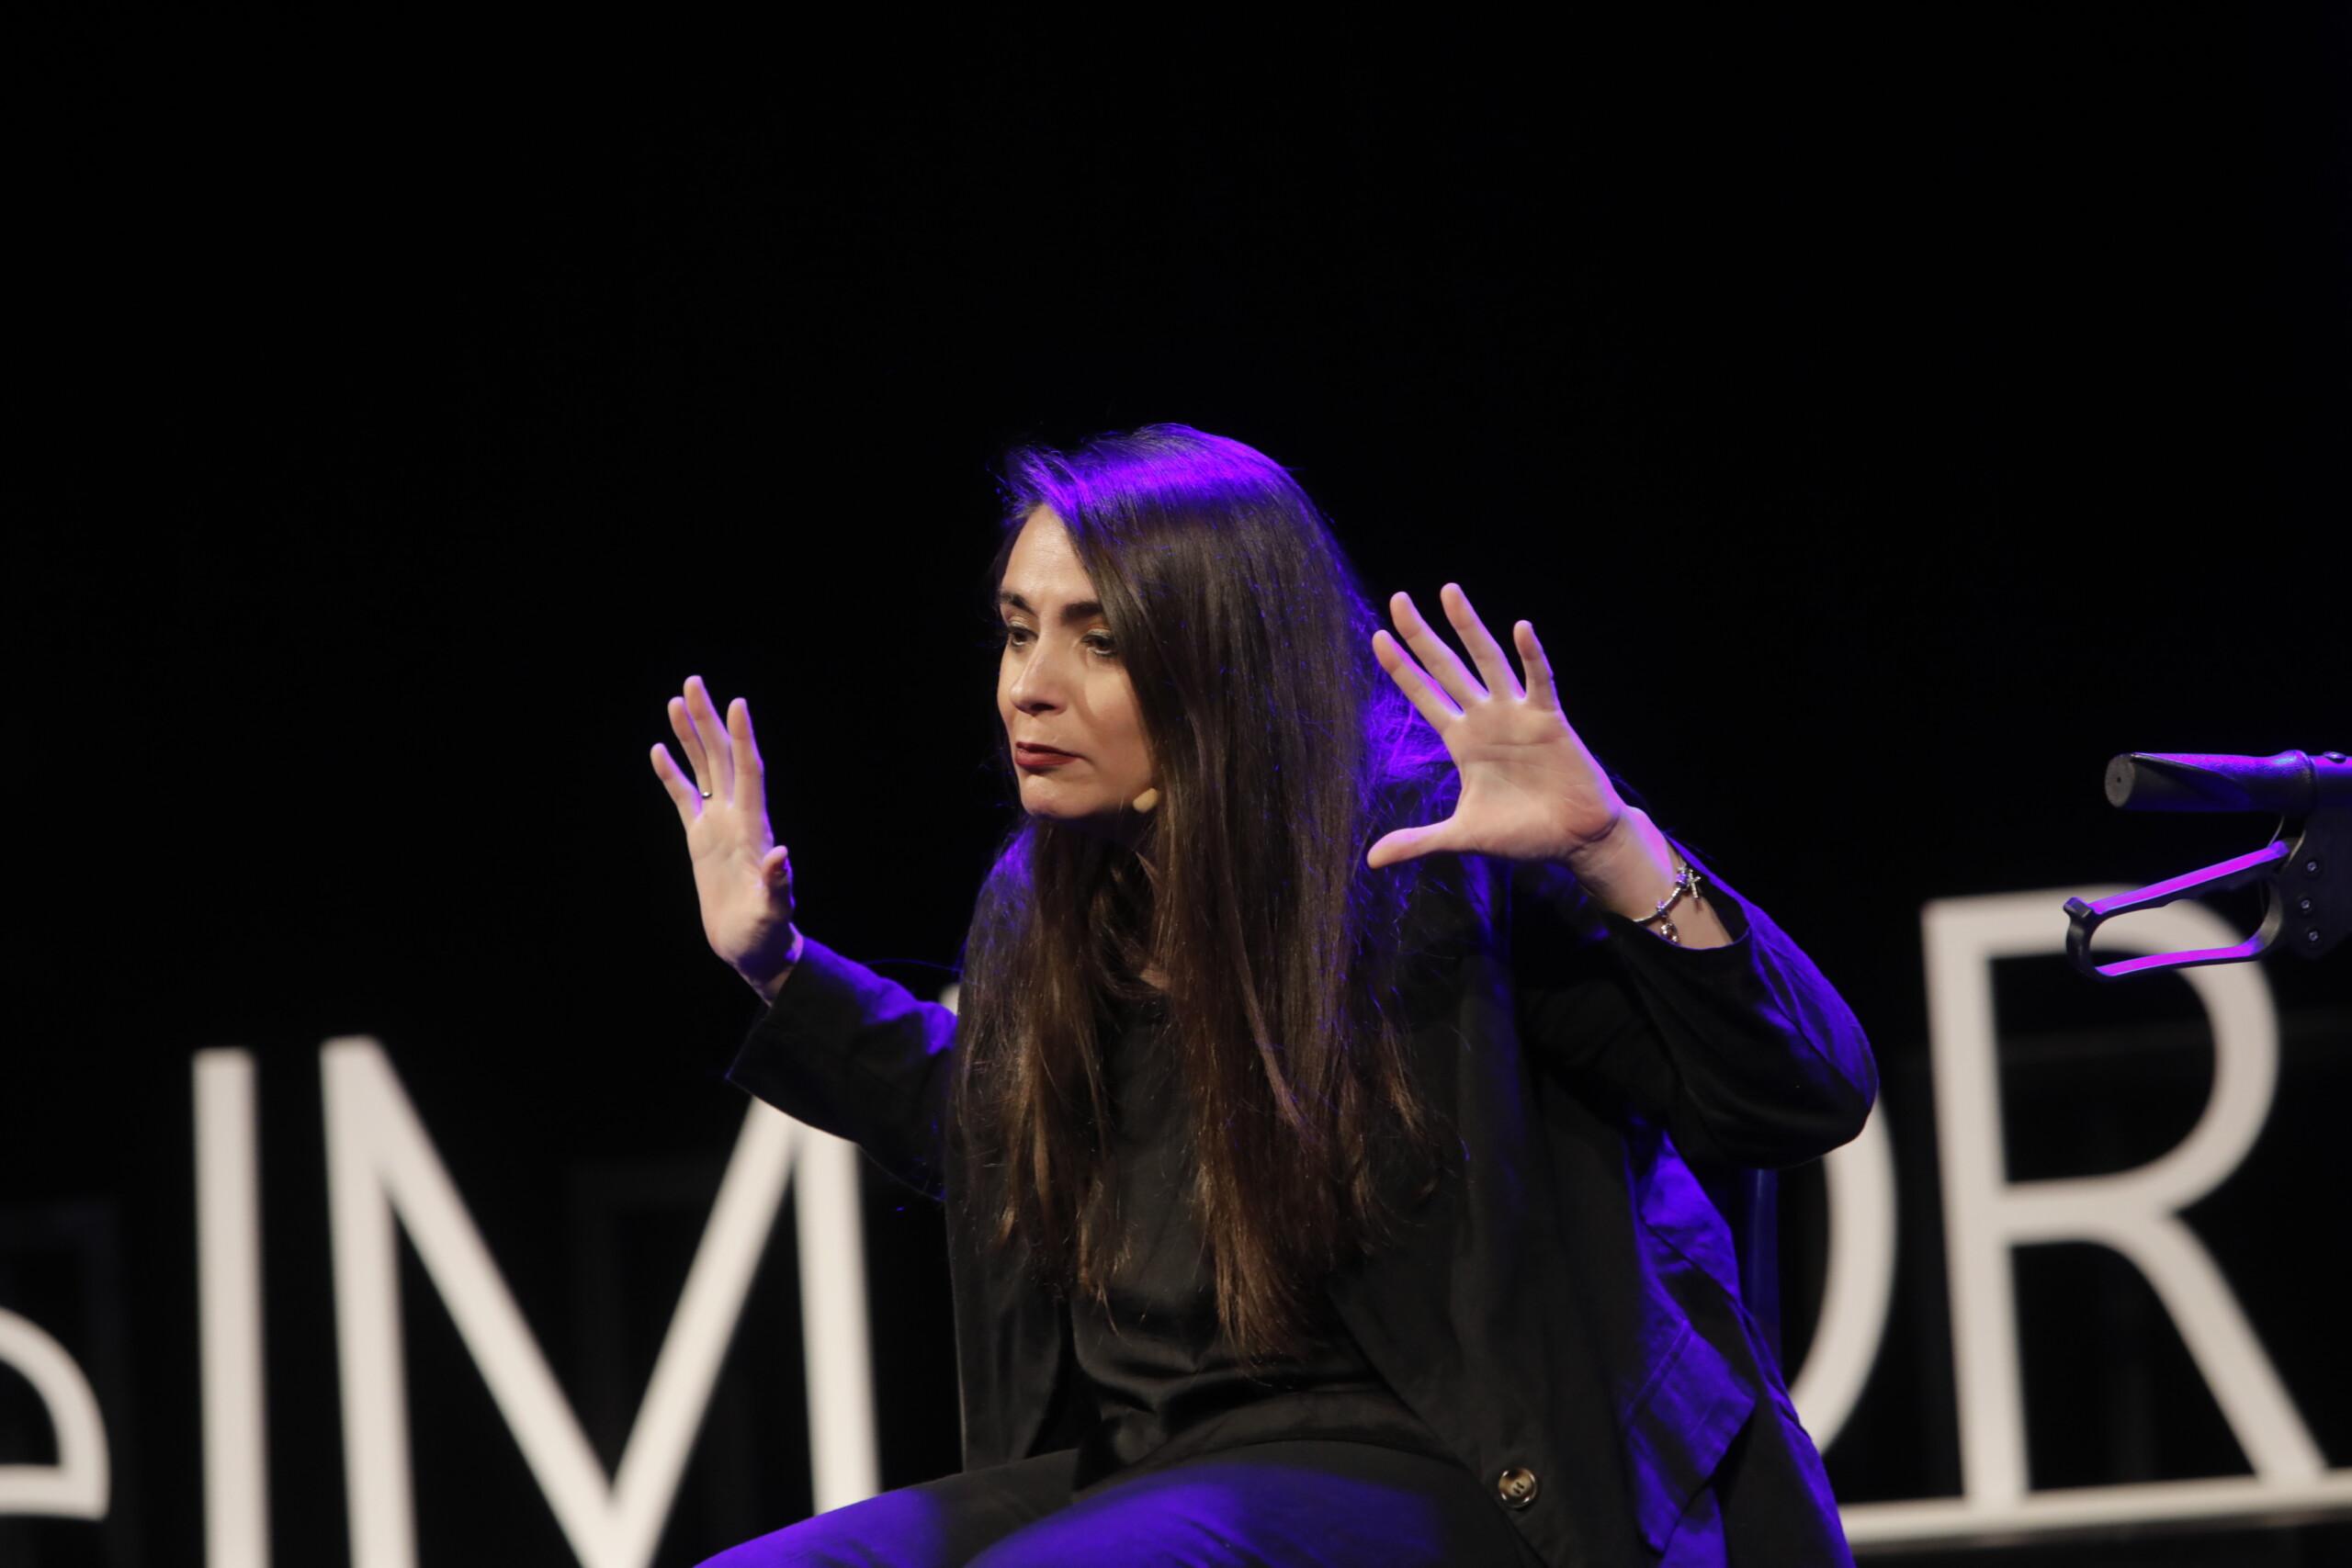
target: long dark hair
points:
(1282, 750)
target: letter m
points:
(381, 1165)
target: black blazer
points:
(1566, 1311)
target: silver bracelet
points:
(1685, 885)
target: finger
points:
(777, 871)
(1437, 655)
(720, 780)
(681, 791)
(1540, 691)
(1408, 677)
(1543, 690)
(1493, 668)
(682, 724)
(751, 773)
(1408, 843)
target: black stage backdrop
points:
(1884, 422)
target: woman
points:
(1333, 1034)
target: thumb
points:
(775, 870)
(1408, 843)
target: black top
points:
(1165, 1381)
(1565, 1308)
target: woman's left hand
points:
(1530, 790)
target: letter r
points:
(2137, 1212)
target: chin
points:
(1062, 813)
(1086, 816)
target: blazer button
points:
(1516, 1486)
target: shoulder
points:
(1004, 892)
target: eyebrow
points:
(1077, 610)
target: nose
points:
(1038, 681)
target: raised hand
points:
(1530, 790)
(742, 876)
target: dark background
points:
(1884, 422)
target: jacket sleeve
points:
(1745, 1051)
(858, 1056)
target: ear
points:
(1147, 800)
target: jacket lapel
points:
(1010, 1341)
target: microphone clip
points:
(2307, 896)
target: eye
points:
(1100, 642)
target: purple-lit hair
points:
(1281, 752)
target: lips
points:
(1030, 748)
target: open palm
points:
(1530, 789)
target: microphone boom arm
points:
(2303, 881)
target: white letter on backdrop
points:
(2137, 1212)
(1860, 1284)
(228, 1273)
(379, 1163)
(75, 1487)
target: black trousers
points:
(1325, 1504)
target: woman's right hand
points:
(742, 874)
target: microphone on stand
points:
(2306, 895)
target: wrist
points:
(1636, 870)
(1632, 866)
(1633, 871)
(769, 982)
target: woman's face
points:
(1060, 684)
